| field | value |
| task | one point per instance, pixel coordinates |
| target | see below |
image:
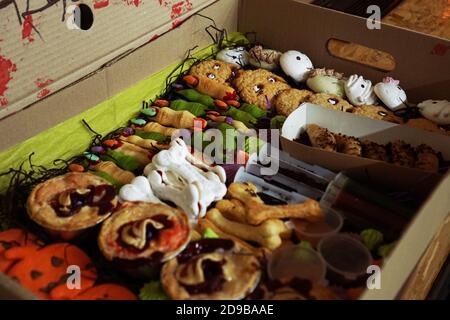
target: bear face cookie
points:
(237, 56)
(376, 112)
(360, 91)
(392, 95)
(326, 81)
(437, 111)
(259, 87)
(287, 101)
(296, 65)
(218, 71)
(331, 101)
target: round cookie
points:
(331, 101)
(216, 70)
(290, 99)
(254, 86)
(376, 112)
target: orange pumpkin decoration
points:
(46, 273)
(107, 291)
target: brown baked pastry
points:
(110, 168)
(348, 145)
(374, 151)
(426, 158)
(376, 112)
(331, 101)
(321, 137)
(216, 70)
(144, 231)
(211, 269)
(290, 99)
(71, 203)
(402, 154)
(254, 86)
(425, 124)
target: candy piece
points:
(91, 157)
(391, 94)
(44, 271)
(260, 57)
(371, 238)
(296, 65)
(209, 234)
(233, 103)
(127, 132)
(149, 112)
(326, 81)
(152, 291)
(195, 96)
(222, 105)
(161, 103)
(106, 291)
(110, 143)
(138, 121)
(98, 149)
(75, 167)
(109, 167)
(437, 111)
(253, 110)
(359, 91)
(237, 56)
(211, 88)
(197, 109)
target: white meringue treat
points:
(360, 91)
(296, 65)
(391, 94)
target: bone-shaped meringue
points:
(138, 190)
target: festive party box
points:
(103, 74)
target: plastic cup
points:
(293, 261)
(313, 232)
(346, 258)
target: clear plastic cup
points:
(293, 261)
(346, 258)
(313, 232)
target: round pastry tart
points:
(71, 203)
(207, 269)
(144, 232)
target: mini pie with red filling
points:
(144, 231)
(211, 269)
(71, 202)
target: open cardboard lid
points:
(39, 54)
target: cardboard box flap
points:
(40, 52)
(419, 66)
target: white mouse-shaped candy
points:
(437, 111)
(296, 65)
(238, 56)
(392, 95)
(359, 91)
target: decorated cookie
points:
(290, 99)
(331, 101)
(237, 56)
(326, 81)
(437, 111)
(218, 71)
(296, 65)
(376, 112)
(391, 94)
(260, 57)
(359, 91)
(402, 154)
(211, 269)
(259, 87)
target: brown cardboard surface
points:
(419, 65)
(115, 77)
(41, 55)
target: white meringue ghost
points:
(138, 190)
(437, 111)
(296, 65)
(360, 91)
(238, 56)
(392, 95)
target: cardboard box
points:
(363, 128)
(281, 24)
